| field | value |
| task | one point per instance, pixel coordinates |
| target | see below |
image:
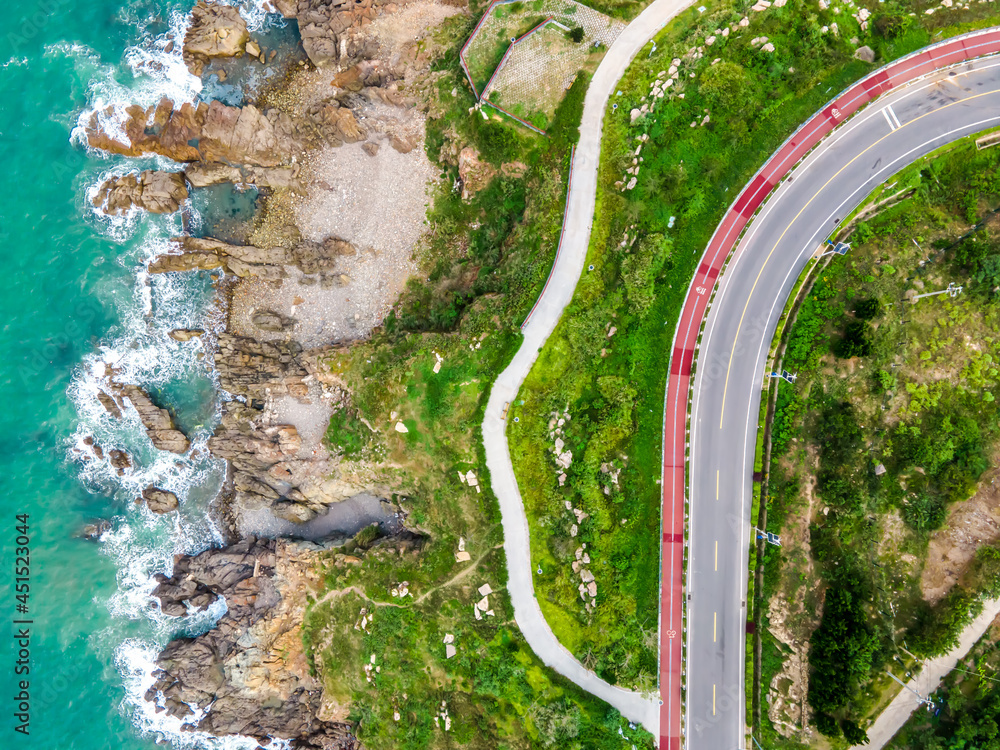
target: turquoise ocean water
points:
(74, 301)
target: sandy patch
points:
(396, 32)
(970, 524)
(790, 622)
(311, 418)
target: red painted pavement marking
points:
(680, 363)
(753, 196)
(876, 84)
(674, 448)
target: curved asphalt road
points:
(542, 321)
(865, 151)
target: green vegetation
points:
(605, 365)
(428, 371)
(349, 436)
(387, 657)
(418, 388)
(885, 433)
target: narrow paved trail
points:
(926, 681)
(557, 294)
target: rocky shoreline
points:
(249, 674)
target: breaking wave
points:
(139, 350)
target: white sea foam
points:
(155, 74)
(138, 350)
(256, 12)
(135, 659)
(15, 62)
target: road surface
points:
(558, 292)
(896, 128)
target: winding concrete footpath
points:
(542, 321)
(926, 681)
(901, 112)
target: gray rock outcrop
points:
(158, 422)
(275, 322)
(214, 31)
(201, 174)
(330, 30)
(160, 501)
(205, 253)
(109, 404)
(156, 192)
(208, 132)
(249, 671)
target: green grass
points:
(688, 178)
(430, 368)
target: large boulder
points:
(865, 54)
(186, 334)
(333, 123)
(158, 422)
(215, 31)
(160, 501)
(156, 192)
(269, 320)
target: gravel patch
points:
(378, 204)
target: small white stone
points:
(401, 428)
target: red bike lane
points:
(739, 214)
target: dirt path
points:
(337, 593)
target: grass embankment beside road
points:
(417, 390)
(877, 483)
(611, 383)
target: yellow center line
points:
(715, 627)
(739, 327)
(716, 555)
(713, 699)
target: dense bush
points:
(868, 309)
(843, 647)
(937, 627)
(856, 341)
(853, 733)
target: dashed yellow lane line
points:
(739, 326)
